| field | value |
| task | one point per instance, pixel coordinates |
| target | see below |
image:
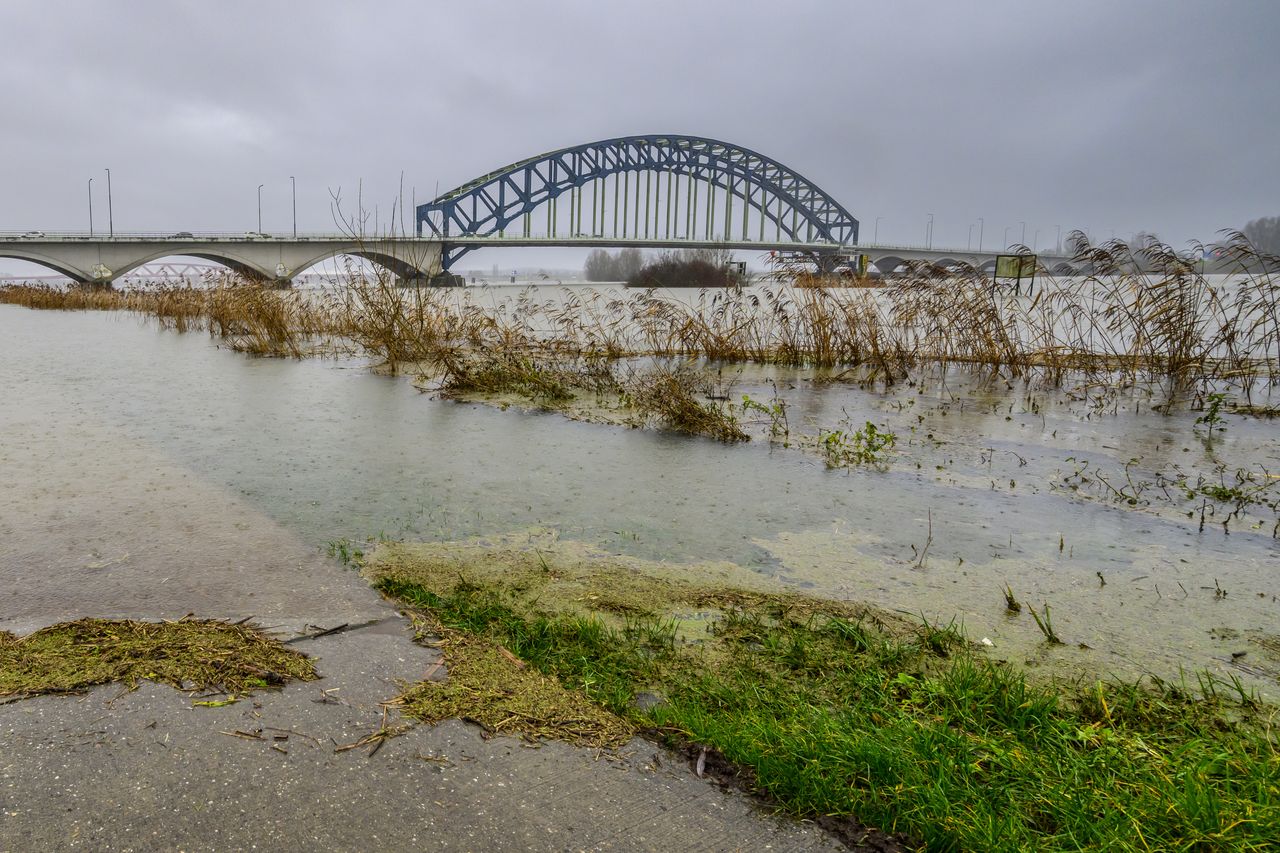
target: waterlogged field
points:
(1083, 482)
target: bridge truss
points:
(615, 189)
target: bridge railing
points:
(193, 237)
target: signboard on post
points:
(1019, 268)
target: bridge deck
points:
(104, 258)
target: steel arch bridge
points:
(771, 197)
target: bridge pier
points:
(93, 285)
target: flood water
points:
(179, 436)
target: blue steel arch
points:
(492, 202)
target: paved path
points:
(146, 771)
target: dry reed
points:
(1147, 317)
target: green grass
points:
(919, 733)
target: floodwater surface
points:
(124, 447)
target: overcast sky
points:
(1110, 116)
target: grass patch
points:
(190, 654)
(836, 712)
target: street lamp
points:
(968, 245)
(1059, 243)
(260, 186)
(1035, 241)
(293, 184)
(876, 238)
(928, 233)
(111, 219)
(981, 225)
(91, 207)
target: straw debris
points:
(493, 688)
(189, 654)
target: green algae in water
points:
(536, 572)
(189, 654)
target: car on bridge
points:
(181, 235)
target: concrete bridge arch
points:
(887, 264)
(103, 260)
(61, 267)
(218, 255)
(403, 267)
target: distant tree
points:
(717, 256)
(600, 266)
(1141, 240)
(685, 268)
(629, 263)
(1264, 234)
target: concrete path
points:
(147, 771)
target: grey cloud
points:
(1113, 115)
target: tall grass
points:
(1135, 317)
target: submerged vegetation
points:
(1144, 323)
(1140, 326)
(833, 709)
(189, 654)
(1146, 317)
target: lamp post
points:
(260, 186)
(876, 238)
(293, 185)
(1006, 235)
(1035, 241)
(968, 245)
(91, 207)
(111, 219)
(1059, 243)
(981, 225)
(928, 233)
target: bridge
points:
(654, 191)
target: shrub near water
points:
(834, 711)
(670, 396)
(669, 271)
